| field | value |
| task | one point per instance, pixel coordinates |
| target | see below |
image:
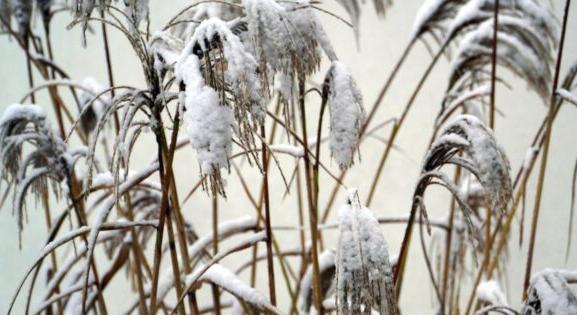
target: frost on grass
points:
(568, 96)
(347, 113)
(209, 124)
(549, 293)
(364, 273)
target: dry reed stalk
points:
(544, 158)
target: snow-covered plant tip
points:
(484, 157)
(188, 192)
(347, 113)
(364, 274)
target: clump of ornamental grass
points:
(364, 274)
(213, 67)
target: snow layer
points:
(347, 114)
(209, 124)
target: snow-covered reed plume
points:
(26, 124)
(549, 293)
(285, 38)
(347, 113)
(364, 274)
(209, 123)
(535, 13)
(353, 8)
(236, 72)
(484, 157)
(84, 8)
(521, 49)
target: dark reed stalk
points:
(494, 65)
(268, 229)
(313, 215)
(397, 127)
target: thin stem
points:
(109, 66)
(30, 75)
(543, 168)
(214, 287)
(448, 245)
(494, 65)
(269, 236)
(165, 175)
(399, 123)
(311, 202)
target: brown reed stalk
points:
(313, 215)
(544, 158)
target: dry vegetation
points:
(229, 78)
